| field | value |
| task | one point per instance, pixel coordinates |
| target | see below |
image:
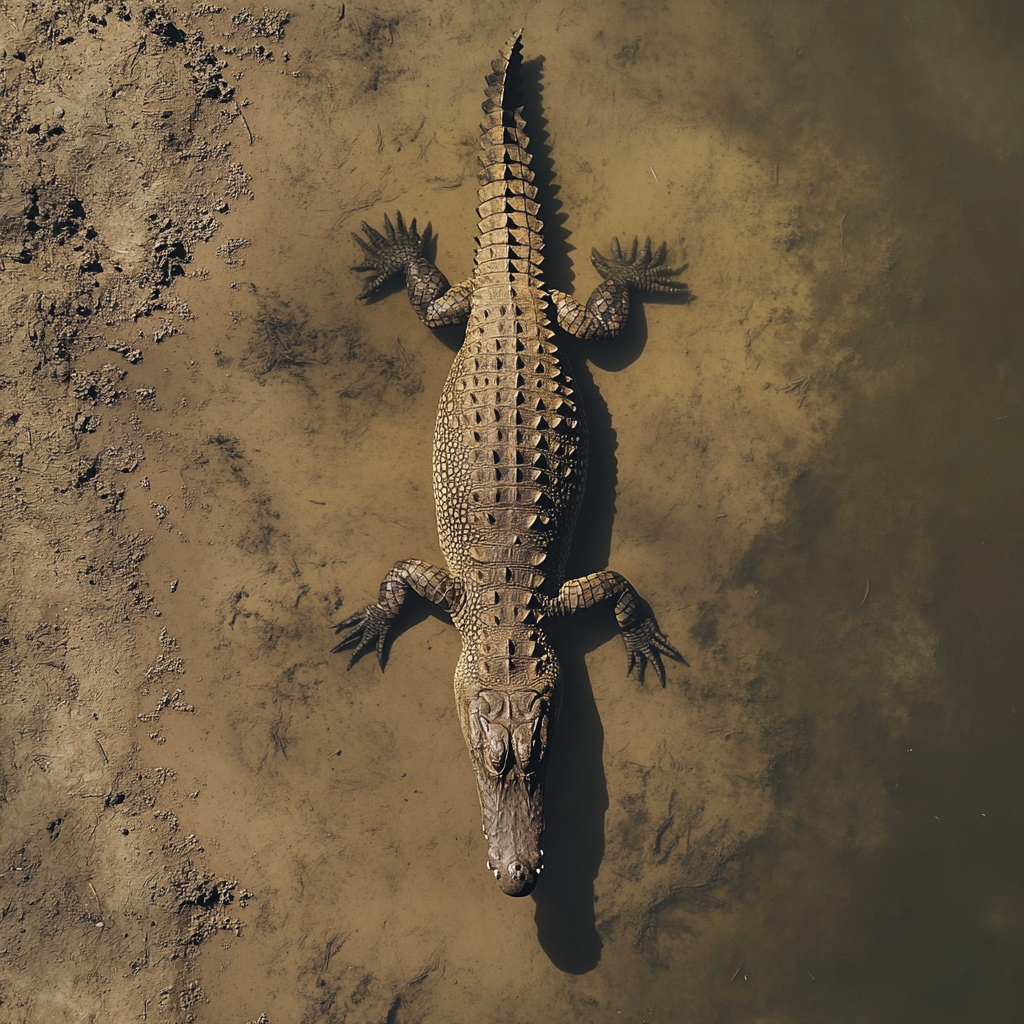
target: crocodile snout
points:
(515, 877)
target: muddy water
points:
(811, 471)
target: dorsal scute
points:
(504, 172)
(505, 154)
(503, 203)
(499, 71)
(502, 134)
(516, 187)
(515, 219)
(509, 236)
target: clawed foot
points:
(369, 627)
(644, 642)
(645, 272)
(391, 252)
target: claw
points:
(643, 269)
(372, 285)
(369, 627)
(659, 668)
(390, 252)
(645, 642)
(374, 235)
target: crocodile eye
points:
(497, 755)
(526, 746)
(497, 746)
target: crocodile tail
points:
(510, 232)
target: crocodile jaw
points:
(513, 823)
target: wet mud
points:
(212, 452)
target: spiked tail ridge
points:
(510, 240)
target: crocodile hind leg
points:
(607, 309)
(644, 641)
(370, 625)
(400, 248)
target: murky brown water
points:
(812, 472)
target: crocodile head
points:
(508, 690)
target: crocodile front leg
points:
(436, 302)
(370, 626)
(644, 641)
(607, 309)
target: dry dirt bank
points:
(117, 149)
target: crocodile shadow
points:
(576, 790)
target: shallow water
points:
(811, 471)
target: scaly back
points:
(509, 444)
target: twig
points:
(736, 975)
(329, 950)
(653, 175)
(248, 130)
(405, 355)
(106, 760)
(801, 386)
(867, 590)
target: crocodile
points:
(509, 466)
